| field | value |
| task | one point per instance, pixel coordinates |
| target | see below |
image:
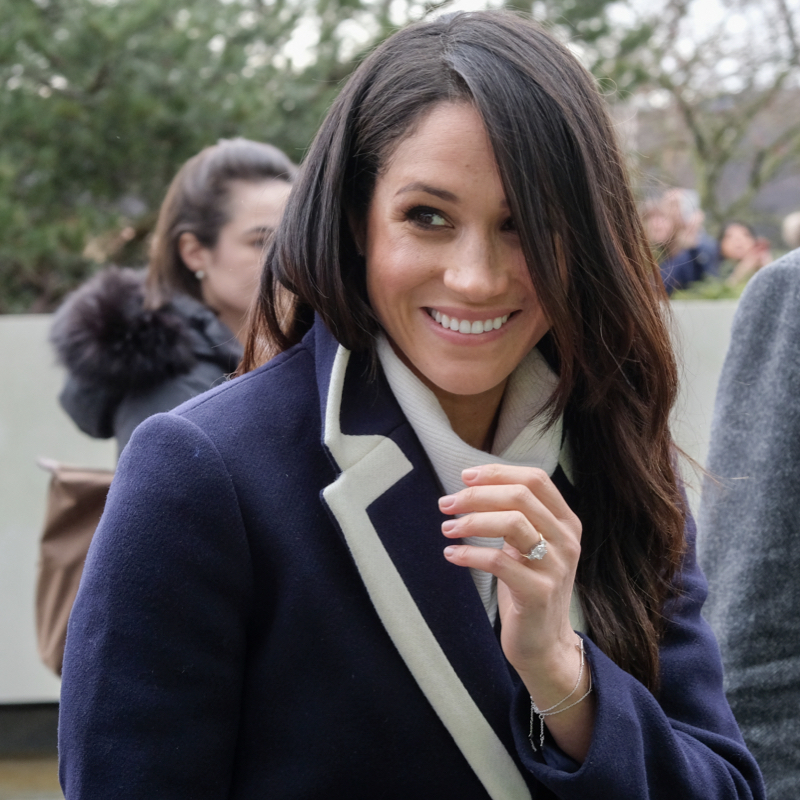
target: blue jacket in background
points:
(690, 265)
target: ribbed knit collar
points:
(522, 437)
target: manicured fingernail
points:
(449, 551)
(448, 501)
(448, 526)
(469, 474)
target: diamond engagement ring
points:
(539, 552)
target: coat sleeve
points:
(154, 659)
(684, 744)
(749, 535)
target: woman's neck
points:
(236, 323)
(473, 417)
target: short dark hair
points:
(738, 223)
(197, 202)
(566, 184)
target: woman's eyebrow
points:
(418, 186)
(442, 194)
(262, 230)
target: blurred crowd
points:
(687, 253)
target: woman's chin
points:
(463, 383)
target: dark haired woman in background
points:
(137, 343)
(266, 610)
(743, 253)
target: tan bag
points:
(75, 503)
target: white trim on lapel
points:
(370, 466)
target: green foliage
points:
(102, 100)
(605, 46)
(710, 289)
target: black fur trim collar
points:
(103, 334)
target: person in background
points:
(138, 342)
(790, 230)
(743, 253)
(748, 530)
(684, 251)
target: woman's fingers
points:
(519, 504)
(481, 500)
(537, 481)
(513, 572)
(513, 526)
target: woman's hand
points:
(522, 506)
(757, 256)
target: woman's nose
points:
(478, 270)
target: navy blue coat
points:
(266, 612)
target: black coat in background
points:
(125, 362)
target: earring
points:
(199, 274)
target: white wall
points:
(32, 425)
(701, 335)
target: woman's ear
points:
(194, 255)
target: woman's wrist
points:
(562, 700)
(554, 672)
(578, 694)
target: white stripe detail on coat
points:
(371, 465)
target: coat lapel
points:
(384, 501)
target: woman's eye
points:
(427, 217)
(262, 242)
(510, 225)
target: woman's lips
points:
(468, 326)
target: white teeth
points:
(465, 326)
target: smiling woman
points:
(461, 261)
(432, 542)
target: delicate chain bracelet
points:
(551, 712)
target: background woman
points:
(743, 253)
(674, 226)
(477, 312)
(138, 343)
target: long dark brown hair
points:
(568, 192)
(197, 202)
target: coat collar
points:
(428, 606)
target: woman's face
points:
(233, 266)
(659, 228)
(736, 242)
(445, 270)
